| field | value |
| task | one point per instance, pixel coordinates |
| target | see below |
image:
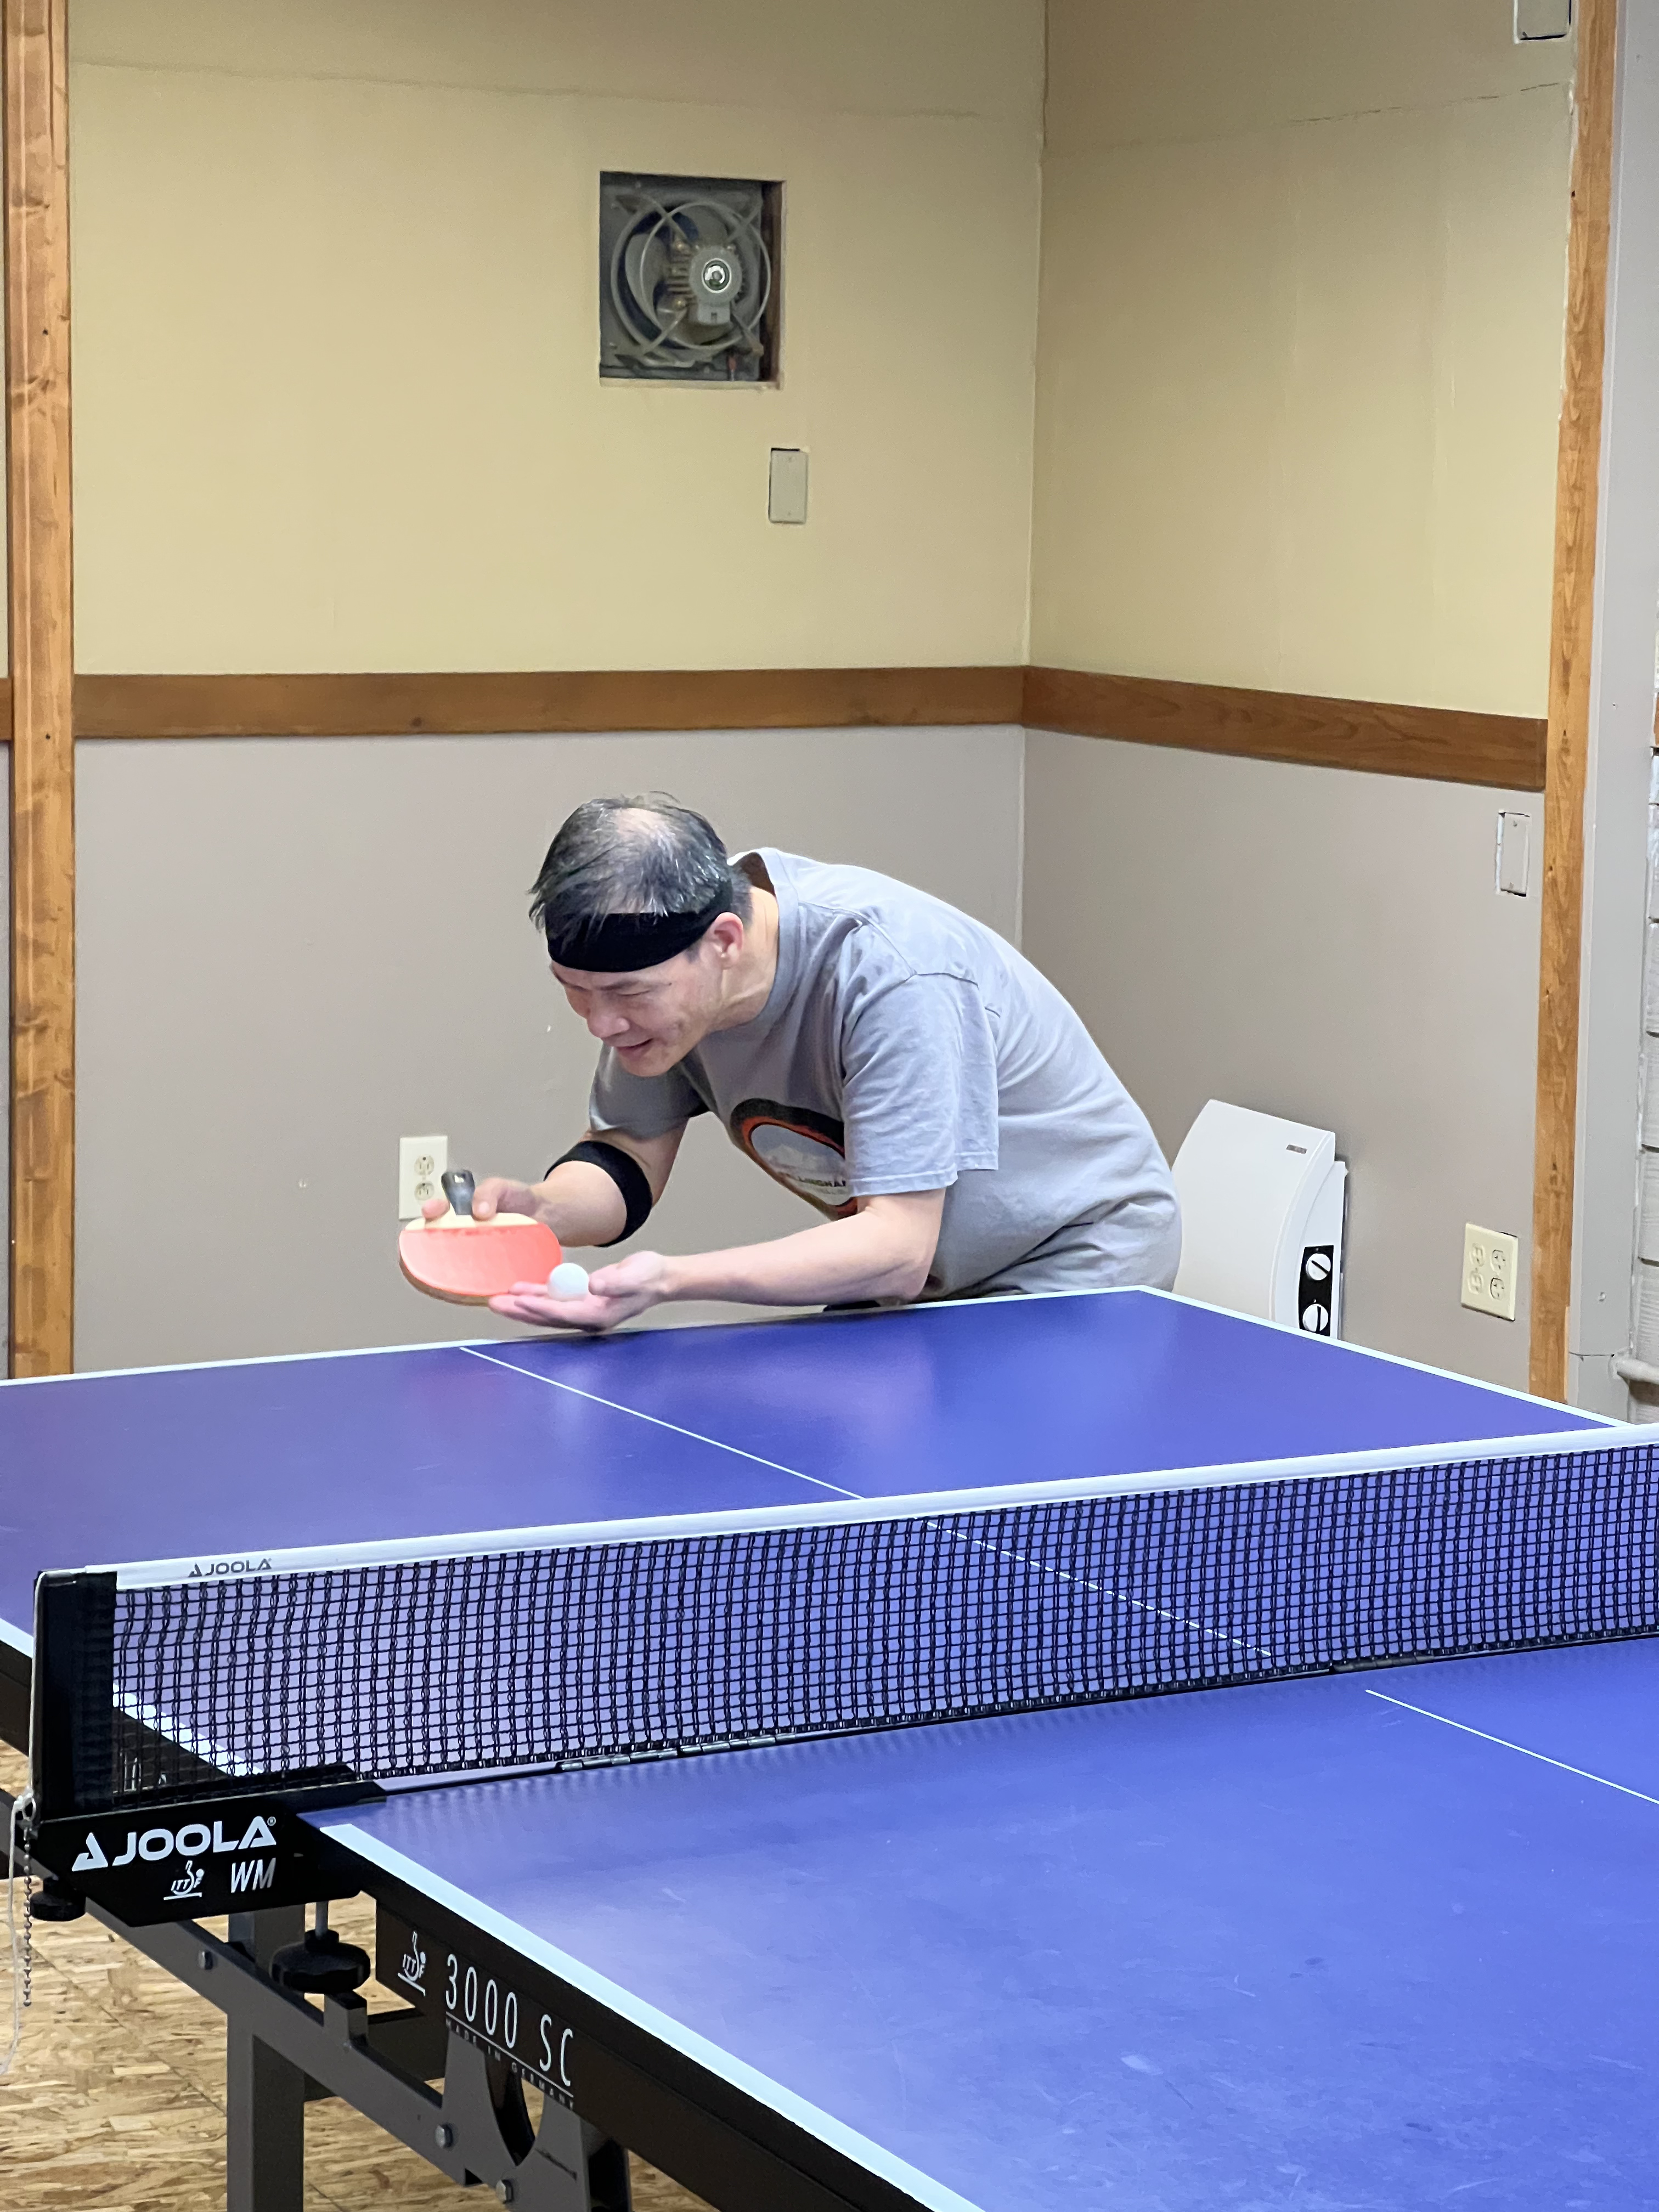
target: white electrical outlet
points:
(421, 1161)
(1492, 1261)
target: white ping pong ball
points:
(568, 1280)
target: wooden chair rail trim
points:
(1452, 744)
(561, 701)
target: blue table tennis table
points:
(1342, 1919)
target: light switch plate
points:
(1514, 854)
(1492, 1261)
(421, 1161)
(786, 485)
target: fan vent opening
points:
(688, 279)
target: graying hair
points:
(644, 855)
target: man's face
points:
(654, 1017)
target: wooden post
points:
(1572, 637)
(36, 79)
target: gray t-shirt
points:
(905, 1046)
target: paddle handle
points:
(458, 1187)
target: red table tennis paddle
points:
(469, 1261)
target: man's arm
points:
(882, 1251)
(579, 1203)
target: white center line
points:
(696, 1436)
(1543, 1756)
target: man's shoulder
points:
(861, 915)
(837, 886)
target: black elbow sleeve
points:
(625, 1171)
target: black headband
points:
(617, 944)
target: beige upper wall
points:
(336, 403)
(948, 57)
(1301, 334)
(337, 399)
(1121, 75)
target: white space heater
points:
(1261, 1217)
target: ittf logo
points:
(412, 1968)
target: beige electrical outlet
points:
(1492, 1261)
(421, 1161)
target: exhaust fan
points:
(688, 279)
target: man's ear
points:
(726, 935)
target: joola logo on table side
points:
(193, 1841)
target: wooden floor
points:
(117, 2100)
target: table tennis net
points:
(569, 1655)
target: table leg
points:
(265, 2093)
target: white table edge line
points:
(472, 1343)
(1579, 1414)
(244, 1359)
(474, 1912)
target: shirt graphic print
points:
(805, 1152)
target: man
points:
(893, 1063)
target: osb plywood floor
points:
(117, 2100)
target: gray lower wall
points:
(1324, 945)
(292, 952)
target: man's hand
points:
(882, 1252)
(580, 1202)
(499, 1194)
(617, 1293)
